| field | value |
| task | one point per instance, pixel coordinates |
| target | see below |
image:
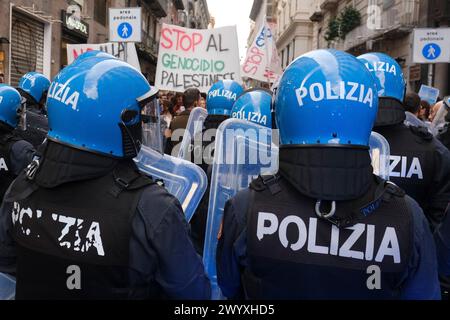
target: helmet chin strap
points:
(131, 133)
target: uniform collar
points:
(327, 173)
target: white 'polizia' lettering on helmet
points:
(268, 225)
(342, 90)
(222, 93)
(256, 117)
(63, 93)
(381, 66)
(30, 77)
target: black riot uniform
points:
(82, 225)
(442, 237)
(15, 155)
(274, 246)
(419, 163)
(198, 221)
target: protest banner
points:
(429, 94)
(196, 58)
(262, 62)
(115, 49)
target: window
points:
(100, 11)
(282, 58)
(287, 54)
(293, 49)
(388, 3)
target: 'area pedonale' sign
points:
(196, 58)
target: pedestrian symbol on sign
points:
(125, 30)
(431, 51)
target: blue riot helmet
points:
(326, 97)
(391, 87)
(10, 105)
(255, 106)
(106, 101)
(91, 53)
(34, 86)
(221, 97)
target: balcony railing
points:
(393, 22)
(149, 45)
(329, 4)
(158, 7)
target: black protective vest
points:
(444, 136)
(73, 240)
(6, 175)
(412, 159)
(293, 254)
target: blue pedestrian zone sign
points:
(125, 30)
(431, 51)
(125, 24)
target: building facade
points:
(192, 14)
(295, 29)
(386, 26)
(34, 34)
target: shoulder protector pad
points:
(394, 190)
(421, 132)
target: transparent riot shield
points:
(412, 120)
(7, 287)
(194, 126)
(379, 153)
(243, 151)
(183, 179)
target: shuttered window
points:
(27, 46)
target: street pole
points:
(125, 51)
(430, 74)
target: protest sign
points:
(196, 58)
(429, 94)
(262, 61)
(115, 49)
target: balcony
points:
(329, 4)
(317, 16)
(394, 23)
(178, 4)
(158, 7)
(148, 45)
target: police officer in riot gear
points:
(442, 237)
(254, 105)
(420, 164)
(84, 211)
(15, 153)
(33, 87)
(219, 102)
(325, 226)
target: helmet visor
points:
(152, 131)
